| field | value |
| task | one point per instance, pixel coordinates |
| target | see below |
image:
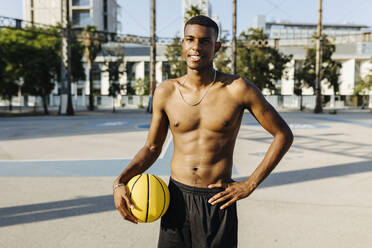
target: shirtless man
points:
(203, 110)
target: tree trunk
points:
(10, 107)
(45, 105)
(91, 97)
(113, 104)
(233, 45)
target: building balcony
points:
(80, 3)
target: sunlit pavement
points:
(56, 176)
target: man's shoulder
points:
(236, 83)
(166, 87)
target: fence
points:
(133, 101)
(79, 101)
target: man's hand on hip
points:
(233, 192)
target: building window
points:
(105, 24)
(81, 18)
(147, 69)
(96, 72)
(165, 70)
(131, 74)
(104, 6)
(80, 2)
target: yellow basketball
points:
(150, 197)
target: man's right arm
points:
(146, 155)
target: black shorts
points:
(193, 222)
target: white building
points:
(100, 13)
(283, 29)
(353, 50)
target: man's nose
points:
(196, 45)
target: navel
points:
(176, 123)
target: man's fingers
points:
(123, 203)
(228, 203)
(128, 201)
(127, 215)
(217, 196)
(221, 199)
(217, 185)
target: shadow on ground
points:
(89, 205)
(305, 175)
(55, 210)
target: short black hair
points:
(203, 21)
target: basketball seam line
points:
(131, 190)
(165, 200)
(148, 195)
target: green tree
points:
(330, 69)
(298, 86)
(42, 68)
(193, 11)
(222, 61)
(32, 54)
(114, 69)
(9, 70)
(114, 90)
(177, 64)
(77, 68)
(364, 85)
(259, 63)
(92, 46)
(142, 88)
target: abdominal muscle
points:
(202, 162)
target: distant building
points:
(353, 50)
(100, 13)
(289, 30)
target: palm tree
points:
(92, 45)
(193, 11)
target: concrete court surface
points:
(56, 176)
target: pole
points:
(66, 99)
(234, 38)
(152, 54)
(318, 62)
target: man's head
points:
(203, 21)
(200, 44)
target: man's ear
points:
(217, 46)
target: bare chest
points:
(217, 112)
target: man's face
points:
(199, 46)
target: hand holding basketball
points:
(145, 198)
(123, 203)
(150, 197)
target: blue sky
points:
(135, 14)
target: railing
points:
(133, 101)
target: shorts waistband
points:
(194, 190)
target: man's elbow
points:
(154, 149)
(285, 136)
(288, 136)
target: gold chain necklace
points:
(204, 94)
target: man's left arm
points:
(270, 120)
